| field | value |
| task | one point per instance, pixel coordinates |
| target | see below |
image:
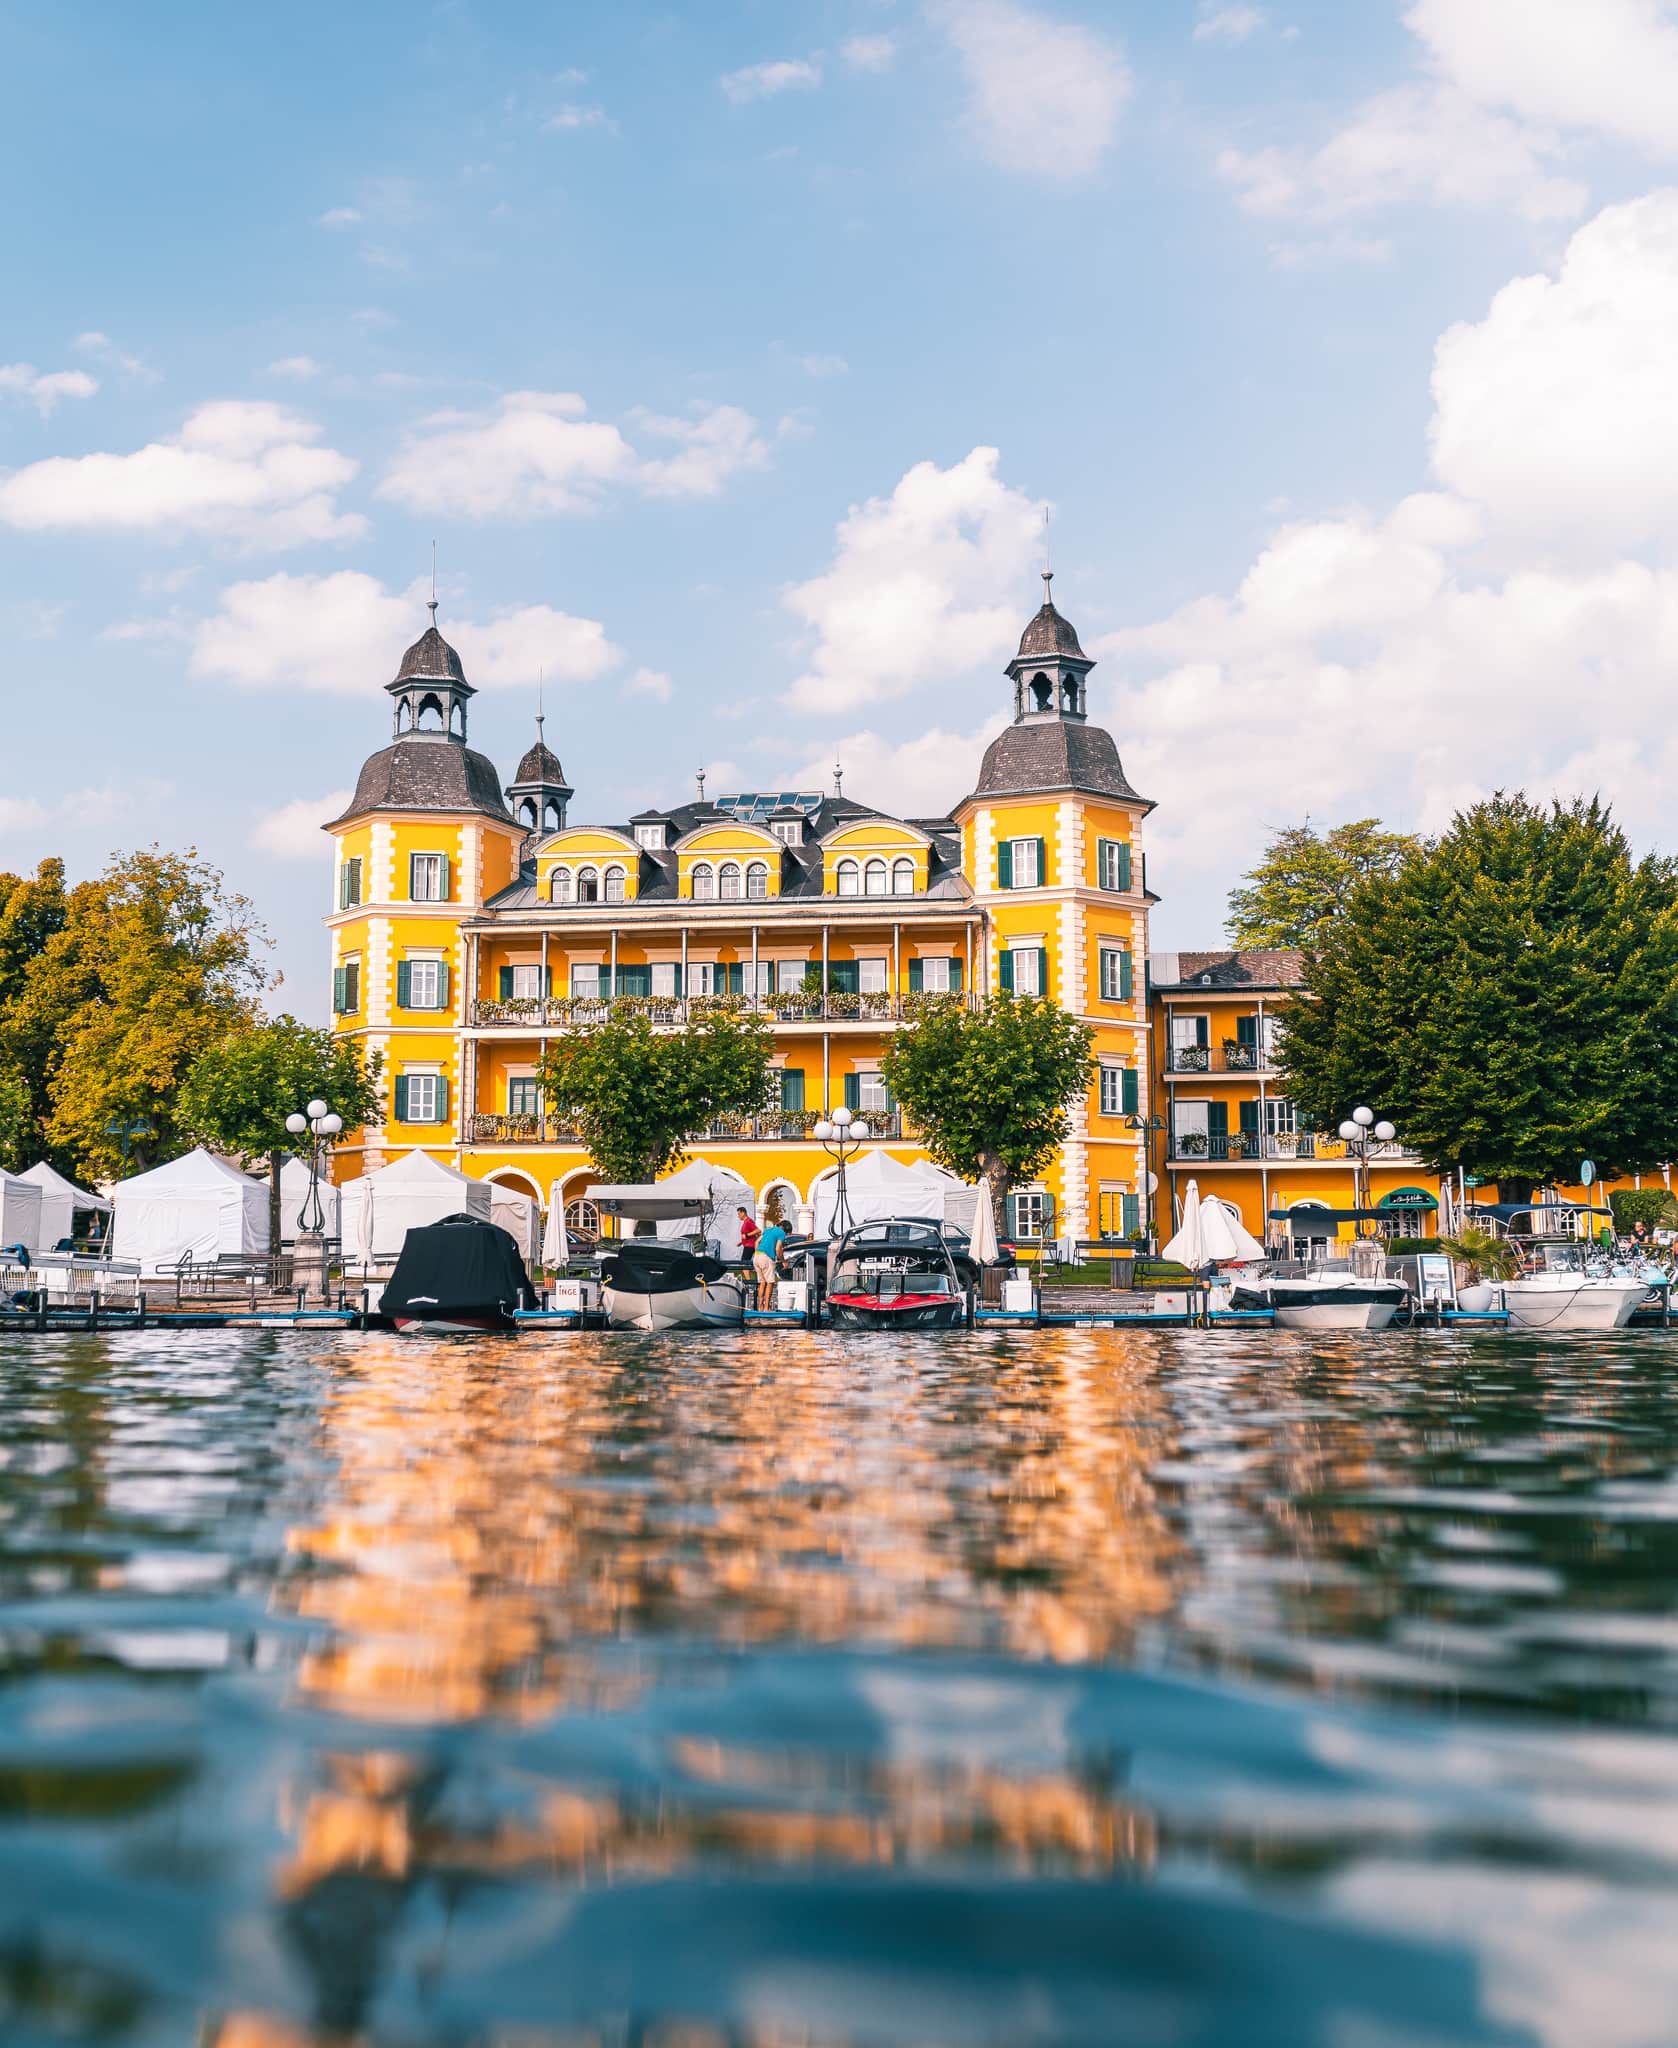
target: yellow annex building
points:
(471, 921)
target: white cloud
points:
(1230, 25)
(824, 366)
(300, 368)
(1559, 410)
(21, 814)
(44, 388)
(340, 217)
(346, 632)
(134, 369)
(293, 831)
(919, 587)
(571, 117)
(1420, 142)
(1047, 95)
(239, 469)
(764, 81)
(539, 452)
(650, 682)
(870, 53)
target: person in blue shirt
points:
(766, 1263)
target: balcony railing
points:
(1189, 1146)
(1233, 1056)
(558, 1013)
(776, 1127)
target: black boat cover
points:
(641, 1265)
(458, 1266)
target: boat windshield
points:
(888, 1277)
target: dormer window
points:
(651, 837)
(788, 831)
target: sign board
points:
(1587, 1172)
(1469, 1181)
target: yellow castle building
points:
(471, 922)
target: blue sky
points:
(730, 355)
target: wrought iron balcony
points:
(519, 1128)
(772, 1127)
(563, 1013)
(1232, 1056)
(1232, 1147)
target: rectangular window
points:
(873, 1099)
(792, 1088)
(524, 1096)
(788, 831)
(789, 974)
(935, 976)
(1033, 1213)
(1028, 971)
(1025, 863)
(525, 984)
(707, 978)
(427, 878)
(1112, 864)
(1115, 975)
(346, 988)
(667, 978)
(764, 981)
(872, 977)
(424, 1091)
(651, 837)
(1280, 1118)
(586, 978)
(425, 985)
(349, 882)
(1188, 1031)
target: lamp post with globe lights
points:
(841, 1136)
(309, 1257)
(1361, 1131)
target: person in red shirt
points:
(749, 1235)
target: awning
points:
(1408, 1198)
(644, 1204)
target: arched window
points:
(614, 885)
(903, 878)
(728, 881)
(588, 886)
(1042, 694)
(705, 881)
(850, 878)
(430, 714)
(1069, 694)
(527, 814)
(874, 878)
(559, 890)
(553, 815)
(757, 882)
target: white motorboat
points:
(1323, 1300)
(1560, 1300)
(652, 1286)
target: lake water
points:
(1176, 1688)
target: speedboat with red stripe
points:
(897, 1273)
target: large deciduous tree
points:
(1306, 878)
(637, 1095)
(988, 1089)
(1508, 997)
(237, 1095)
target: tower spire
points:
(432, 605)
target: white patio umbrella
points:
(1224, 1237)
(553, 1236)
(364, 1226)
(983, 1244)
(1187, 1247)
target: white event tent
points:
(61, 1200)
(723, 1192)
(878, 1186)
(413, 1190)
(520, 1215)
(294, 1196)
(20, 1212)
(198, 1206)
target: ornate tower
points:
(1052, 843)
(539, 792)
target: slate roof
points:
(431, 774)
(1049, 633)
(1053, 754)
(540, 764)
(430, 659)
(1259, 967)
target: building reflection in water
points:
(524, 1538)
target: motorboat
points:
(1559, 1300)
(460, 1277)
(1339, 1294)
(897, 1274)
(647, 1285)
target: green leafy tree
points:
(16, 1122)
(637, 1095)
(237, 1095)
(988, 1089)
(154, 962)
(1508, 997)
(33, 911)
(1306, 879)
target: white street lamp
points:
(1359, 1137)
(1385, 1132)
(842, 1135)
(1363, 1116)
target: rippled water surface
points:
(1089, 1687)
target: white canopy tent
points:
(413, 1190)
(723, 1192)
(61, 1200)
(294, 1195)
(20, 1213)
(520, 1215)
(198, 1207)
(878, 1186)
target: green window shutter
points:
(1130, 1220)
(917, 978)
(444, 884)
(1124, 865)
(442, 1099)
(792, 1088)
(677, 972)
(955, 977)
(1102, 848)
(547, 981)
(1126, 977)
(404, 979)
(853, 1091)
(1005, 864)
(1042, 863)
(1217, 1119)
(844, 978)
(401, 1098)
(1005, 971)
(340, 987)
(352, 986)
(1127, 1094)
(1249, 1119)
(635, 981)
(443, 986)
(1246, 1033)
(504, 983)
(413, 871)
(344, 886)
(1043, 970)
(737, 977)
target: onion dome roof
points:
(540, 764)
(431, 660)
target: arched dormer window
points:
(559, 889)
(850, 878)
(757, 882)
(614, 885)
(874, 878)
(588, 885)
(903, 878)
(728, 881)
(705, 881)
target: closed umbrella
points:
(1225, 1237)
(364, 1225)
(554, 1247)
(1187, 1247)
(984, 1246)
